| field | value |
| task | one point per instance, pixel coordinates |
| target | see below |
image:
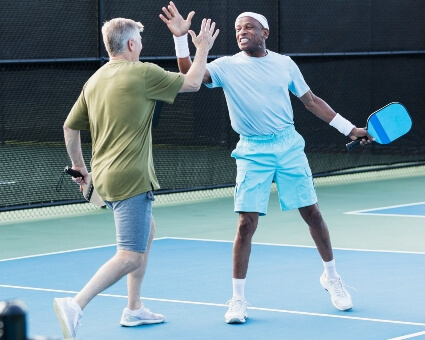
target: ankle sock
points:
(238, 287)
(330, 270)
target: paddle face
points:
(389, 123)
(89, 193)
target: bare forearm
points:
(320, 108)
(184, 64)
(73, 146)
(196, 71)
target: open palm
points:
(174, 21)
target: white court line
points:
(365, 211)
(62, 252)
(218, 241)
(395, 206)
(56, 253)
(225, 305)
(301, 246)
(382, 214)
(409, 336)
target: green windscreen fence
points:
(356, 57)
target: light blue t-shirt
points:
(256, 91)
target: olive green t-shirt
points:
(117, 105)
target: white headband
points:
(260, 18)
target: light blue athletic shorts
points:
(133, 221)
(280, 158)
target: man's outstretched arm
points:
(179, 27)
(322, 110)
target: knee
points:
(130, 259)
(312, 216)
(315, 216)
(246, 227)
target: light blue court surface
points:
(405, 210)
(189, 281)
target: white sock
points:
(238, 287)
(330, 270)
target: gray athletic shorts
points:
(133, 221)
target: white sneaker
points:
(237, 310)
(69, 315)
(340, 297)
(144, 317)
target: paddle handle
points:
(353, 144)
(72, 172)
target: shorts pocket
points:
(305, 189)
(310, 175)
(240, 178)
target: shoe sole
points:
(236, 320)
(140, 323)
(61, 319)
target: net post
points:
(100, 24)
(280, 25)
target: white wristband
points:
(182, 46)
(342, 125)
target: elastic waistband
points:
(287, 132)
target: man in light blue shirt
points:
(256, 91)
(256, 83)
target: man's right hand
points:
(174, 21)
(206, 36)
(197, 72)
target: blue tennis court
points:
(189, 281)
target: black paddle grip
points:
(353, 144)
(72, 172)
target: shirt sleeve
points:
(78, 117)
(161, 84)
(216, 69)
(297, 86)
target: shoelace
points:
(235, 304)
(142, 310)
(148, 311)
(339, 287)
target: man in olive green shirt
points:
(117, 105)
(122, 162)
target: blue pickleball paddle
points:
(386, 124)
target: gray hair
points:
(116, 33)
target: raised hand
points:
(174, 21)
(206, 37)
